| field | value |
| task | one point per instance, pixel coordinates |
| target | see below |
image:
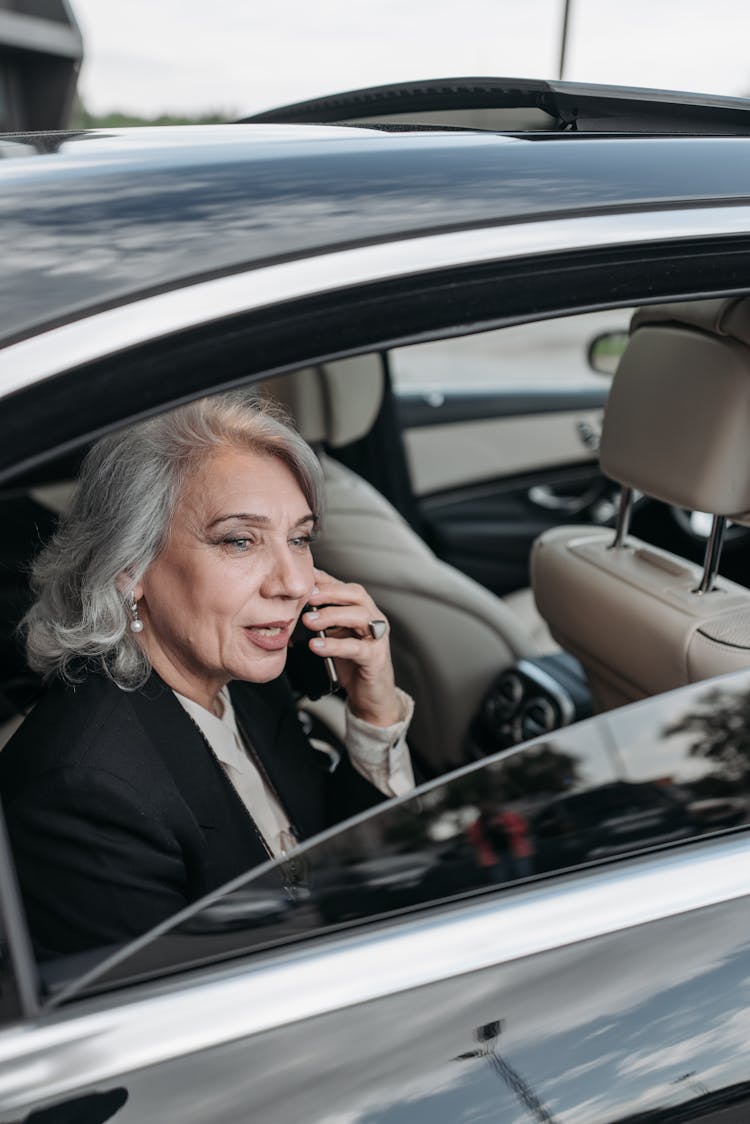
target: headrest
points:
(677, 423)
(335, 403)
(729, 316)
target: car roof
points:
(95, 219)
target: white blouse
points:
(380, 754)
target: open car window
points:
(657, 773)
(551, 355)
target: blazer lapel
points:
(267, 718)
(198, 776)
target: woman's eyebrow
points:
(257, 520)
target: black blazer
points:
(119, 814)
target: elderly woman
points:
(166, 756)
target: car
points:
(553, 925)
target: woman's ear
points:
(125, 584)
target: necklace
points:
(294, 869)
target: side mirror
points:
(606, 350)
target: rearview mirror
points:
(606, 350)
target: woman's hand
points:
(363, 663)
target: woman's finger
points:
(359, 651)
(340, 593)
(354, 617)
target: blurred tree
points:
(722, 730)
(82, 119)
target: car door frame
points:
(275, 318)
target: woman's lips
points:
(272, 636)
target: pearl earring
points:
(136, 624)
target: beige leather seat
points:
(677, 427)
(450, 636)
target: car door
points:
(501, 431)
(423, 977)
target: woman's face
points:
(222, 598)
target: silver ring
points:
(377, 629)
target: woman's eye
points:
(237, 545)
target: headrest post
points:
(623, 518)
(713, 554)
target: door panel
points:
(623, 1026)
(488, 480)
(451, 454)
(487, 531)
(501, 431)
(612, 1030)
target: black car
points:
(434, 280)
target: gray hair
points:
(119, 521)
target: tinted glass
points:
(656, 773)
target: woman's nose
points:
(288, 576)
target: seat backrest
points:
(450, 637)
(334, 403)
(676, 429)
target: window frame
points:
(169, 367)
(676, 262)
(19, 973)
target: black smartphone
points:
(310, 675)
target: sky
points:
(241, 56)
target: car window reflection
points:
(657, 773)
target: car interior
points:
(644, 620)
(490, 663)
(631, 600)
(449, 635)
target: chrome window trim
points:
(105, 333)
(117, 1034)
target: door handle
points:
(543, 496)
(590, 435)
